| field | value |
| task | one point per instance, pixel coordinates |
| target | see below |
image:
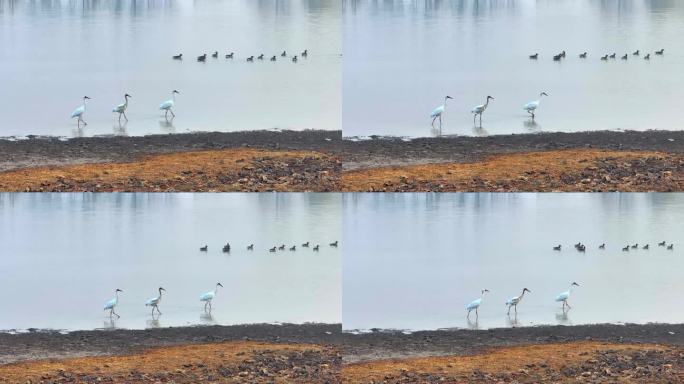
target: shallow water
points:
(64, 254)
(402, 57)
(53, 53)
(413, 261)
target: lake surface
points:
(402, 57)
(413, 261)
(63, 255)
(52, 53)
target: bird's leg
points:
(166, 114)
(516, 309)
(115, 314)
(440, 125)
(172, 114)
(477, 315)
(205, 305)
(468, 316)
(474, 117)
(480, 119)
(433, 121)
(124, 114)
(111, 311)
(566, 303)
(509, 311)
(153, 311)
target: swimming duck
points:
(562, 54)
(334, 244)
(283, 54)
(662, 51)
(306, 245)
(534, 57)
(226, 248)
(229, 56)
(305, 53)
(282, 247)
(604, 58)
(250, 247)
(647, 57)
(272, 249)
(645, 247)
(315, 248)
(215, 55)
(204, 249)
(558, 248)
(260, 57)
(612, 56)
(624, 57)
(202, 58)
(583, 55)
(251, 58)
(625, 249)
(635, 246)
(178, 57)
(273, 58)
(670, 247)
(602, 246)
(294, 58)
(293, 248)
(636, 53)
(557, 58)
(661, 244)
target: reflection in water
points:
(109, 324)
(408, 254)
(207, 318)
(562, 317)
(153, 323)
(120, 129)
(531, 126)
(222, 95)
(471, 48)
(166, 126)
(140, 241)
(512, 322)
(480, 131)
(473, 324)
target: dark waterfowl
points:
(670, 247)
(306, 245)
(229, 56)
(625, 249)
(202, 58)
(604, 58)
(215, 55)
(562, 54)
(661, 52)
(662, 244)
(283, 54)
(250, 247)
(293, 248)
(178, 57)
(558, 248)
(282, 247)
(583, 55)
(557, 58)
(251, 58)
(636, 53)
(624, 57)
(647, 57)
(305, 53)
(612, 56)
(272, 249)
(635, 246)
(204, 249)
(602, 246)
(534, 57)
(260, 57)
(226, 248)
(316, 247)
(294, 58)
(334, 244)
(645, 247)
(273, 58)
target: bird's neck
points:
(522, 294)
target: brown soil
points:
(228, 362)
(569, 170)
(578, 362)
(237, 169)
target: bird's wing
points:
(166, 105)
(118, 108)
(562, 296)
(512, 300)
(473, 304)
(110, 304)
(207, 296)
(78, 111)
(531, 105)
(477, 109)
(151, 301)
(437, 111)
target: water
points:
(52, 53)
(64, 254)
(402, 57)
(413, 261)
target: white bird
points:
(563, 297)
(112, 303)
(78, 112)
(479, 110)
(154, 302)
(209, 296)
(121, 108)
(514, 301)
(533, 105)
(475, 304)
(168, 104)
(437, 113)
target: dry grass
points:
(567, 170)
(215, 170)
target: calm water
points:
(402, 57)
(64, 254)
(413, 261)
(52, 53)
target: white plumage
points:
(514, 301)
(532, 106)
(209, 296)
(154, 302)
(79, 112)
(437, 114)
(564, 296)
(475, 304)
(167, 106)
(111, 304)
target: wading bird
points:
(479, 109)
(178, 57)
(475, 304)
(437, 113)
(154, 302)
(209, 296)
(167, 106)
(79, 112)
(111, 304)
(514, 301)
(121, 108)
(563, 297)
(532, 106)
